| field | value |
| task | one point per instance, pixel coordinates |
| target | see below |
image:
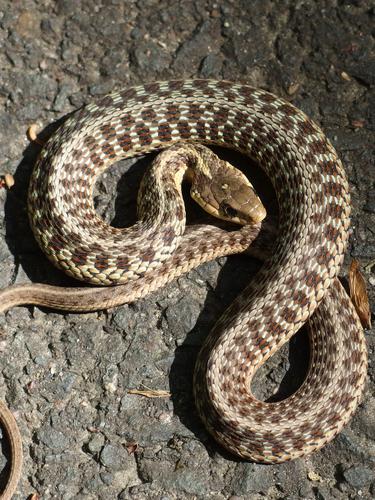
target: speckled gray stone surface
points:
(66, 376)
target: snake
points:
(297, 284)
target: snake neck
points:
(160, 201)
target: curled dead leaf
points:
(131, 447)
(150, 393)
(345, 76)
(358, 294)
(7, 181)
(314, 476)
(32, 134)
(358, 123)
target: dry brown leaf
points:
(345, 76)
(6, 181)
(358, 294)
(358, 123)
(131, 447)
(292, 89)
(314, 476)
(9, 180)
(32, 134)
(150, 393)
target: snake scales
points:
(313, 199)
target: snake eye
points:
(227, 210)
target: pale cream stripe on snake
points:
(314, 205)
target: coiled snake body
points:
(313, 199)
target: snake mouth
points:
(253, 215)
(231, 210)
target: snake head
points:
(228, 195)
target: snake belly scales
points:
(301, 274)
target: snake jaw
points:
(253, 215)
(252, 211)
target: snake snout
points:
(249, 207)
(238, 202)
